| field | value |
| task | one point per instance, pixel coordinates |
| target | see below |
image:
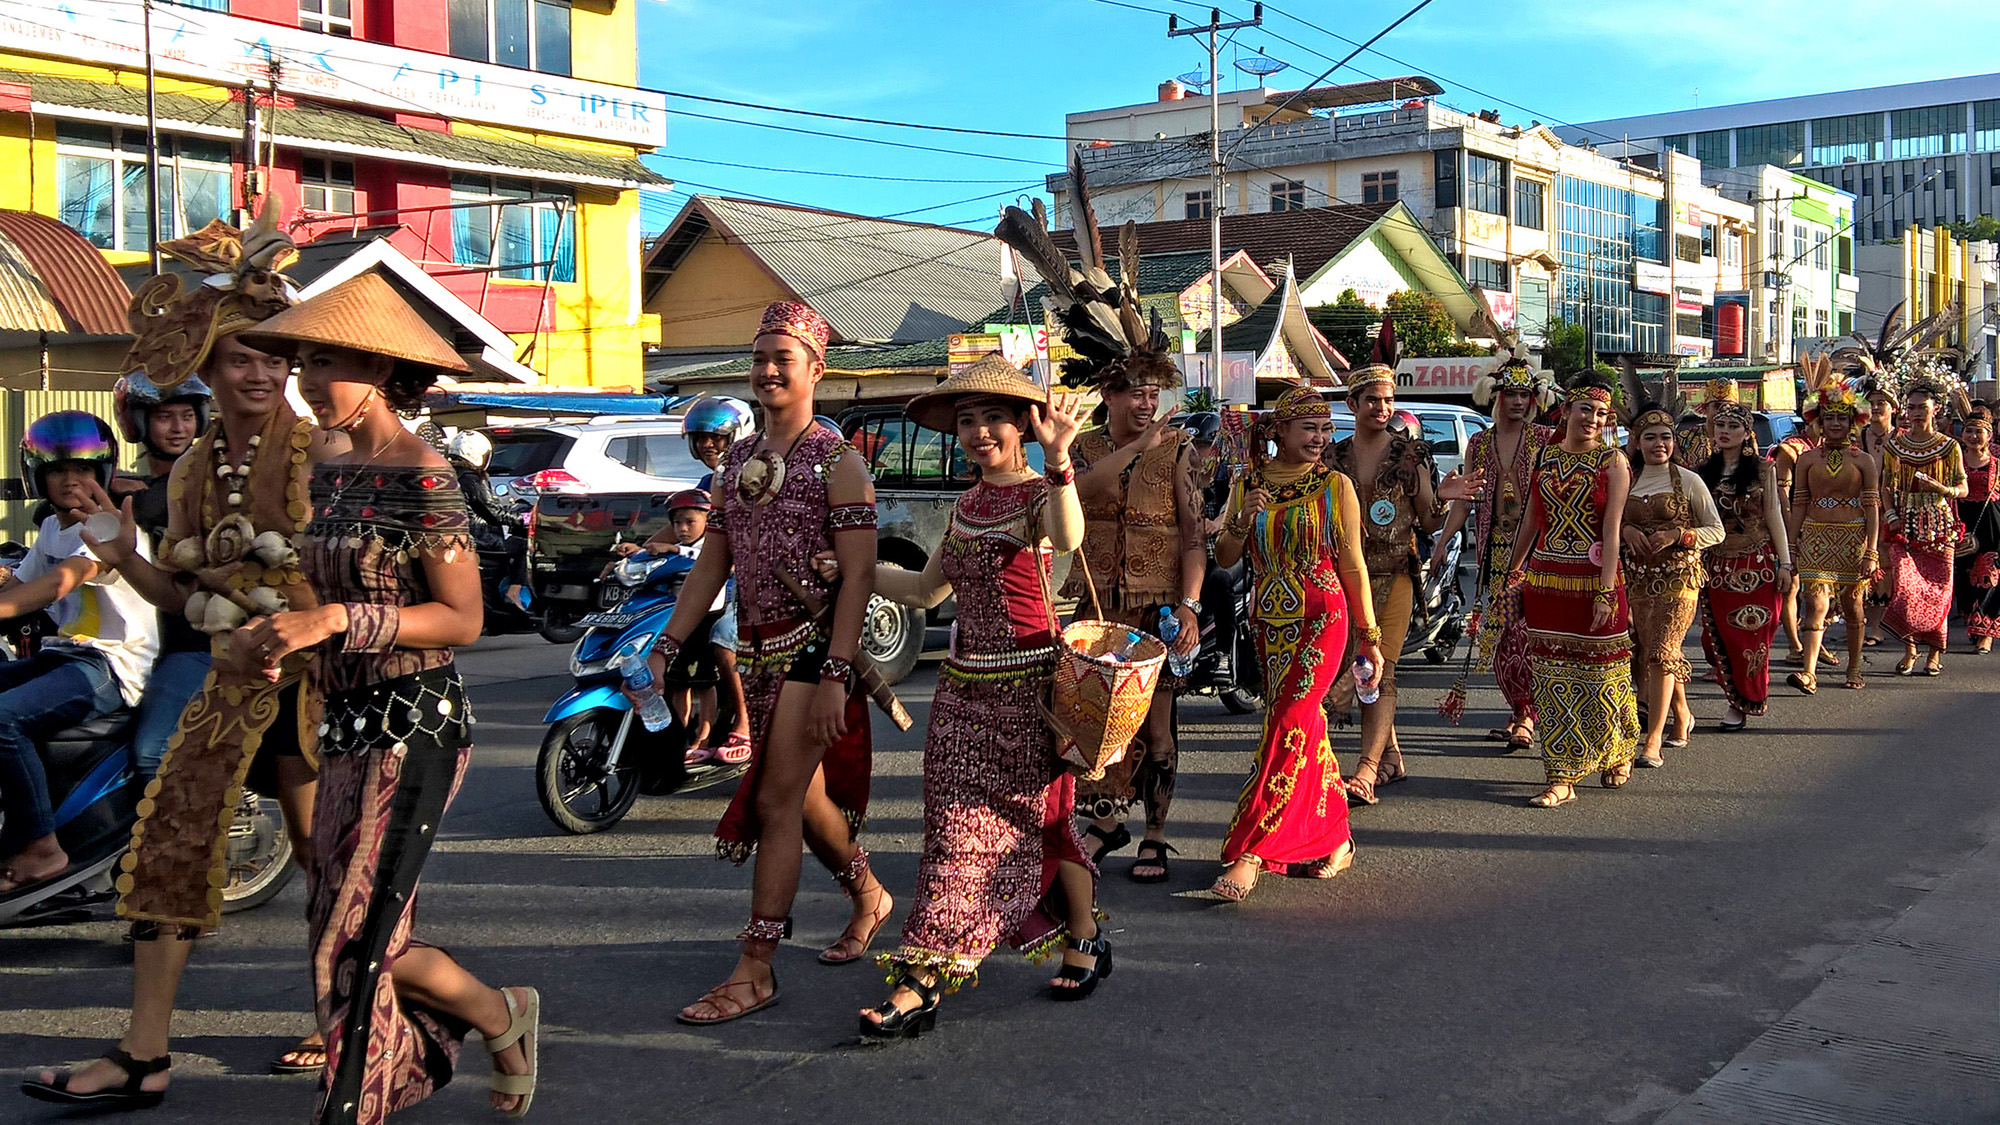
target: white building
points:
(1924, 153)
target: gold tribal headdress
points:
(241, 286)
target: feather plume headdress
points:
(243, 285)
(1515, 373)
(1117, 347)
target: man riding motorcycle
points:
(493, 517)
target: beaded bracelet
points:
(837, 670)
(669, 646)
(1606, 597)
(1061, 477)
(1371, 633)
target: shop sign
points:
(231, 51)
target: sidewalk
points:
(1905, 1028)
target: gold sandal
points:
(523, 1024)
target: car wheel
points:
(892, 635)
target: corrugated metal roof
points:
(875, 280)
(922, 356)
(89, 293)
(325, 129)
(24, 305)
(1311, 237)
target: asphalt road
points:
(1482, 961)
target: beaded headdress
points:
(800, 322)
(241, 286)
(1735, 410)
(1514, 375)
(1653, 414)
(1720, 392)
(1839, 397)
(1298, 402)
(1588, 393)
(1368, 376)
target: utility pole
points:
(152, 145)
(1215, 169)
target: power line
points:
(1296, 94)
(819, 172)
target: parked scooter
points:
(1441, 615)
(96, 792)
(597, 759)
(1225, 665)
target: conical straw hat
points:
(990, 376)
(363, 313)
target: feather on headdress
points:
(1515, 373)
(242, 286)
(1116, 345)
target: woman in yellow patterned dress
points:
(1299, 522)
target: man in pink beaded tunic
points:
(782, 497)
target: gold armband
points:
(1371, 633)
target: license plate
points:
(610, 596)
(608, 620)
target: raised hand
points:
(117, 550)
(1057, 422)
(1454, 487)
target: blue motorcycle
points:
(96, 792)
(597, 758)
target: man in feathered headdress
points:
(1494, 484)
(1835, 523)
(1392, 481)
(235, 500)
(1143, 539)
(1923, 476)
(1692, 443)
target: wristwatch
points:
(1191, 605)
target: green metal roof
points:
(921, 356)
(322, 128)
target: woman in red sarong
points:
(1299, 521)
(1001, 860)
(1923, 478)
(1565, 574)
(1749, 572)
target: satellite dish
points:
(1261, 65)
(1194, 78)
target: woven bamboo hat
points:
(990, 376)
(363, 313)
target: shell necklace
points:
(235, 478)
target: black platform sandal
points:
(128, 1096)
(1152, 853)
(1086, 979)
(1108, 842)
(898, 1023)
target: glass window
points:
(1819, 322)
(532, 238)
(1531, 306)
(1821, 255)
(1712, 148)
(1485, 184)
(1486, 273)
(1687, 247)
(1867, 186)
(1441, 433)
(1708, 240)
(1528, 203)
(1798, 321)
(1846, 257)
(334, 17)
(1783, 145)
(1379, 187)
(531, 34)
(1798, 242)
(1732, 249)
(1197, 204)
(101, 184)
(1951, 179)
(1857, 135)
(327, 185)
(884, 442)
(1646, 240)
(1930, 131)
(1288, 195)
(1986, 125)
(1445, 165)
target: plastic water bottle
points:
(652, 706)
(1170, 628)
(1364, 670)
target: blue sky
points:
(1027, 63)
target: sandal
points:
(849, 879)
(697, 756)
(1521, 740)
(1086, 979)
(1109, 842)
(1229, 890)
(727, 1007)
(1333, 865)
(306, 1058)
(1616, 776)
(1907, 665)
(1737, 727)
(904, 1023)
(1854, 681)
(734, 751)
(1806, 682)
(1391, 770)
(1549, 798)
(129, 1096)
(524, 1022)
(1158, 850)
(1361, 790)
(1935, 665)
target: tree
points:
(1566, 348)
(1347, 324)
(1424, 328)
(1979, 228)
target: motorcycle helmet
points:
(470, 447)
(690, 498)
(1203, 427)
(67, 435)
(134, 397)
(723, 415)
(1404, 424)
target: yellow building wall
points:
(715, 298)
(603, 37)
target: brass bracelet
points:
(1372, 632)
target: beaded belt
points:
(1003, 661)
(392, 712)
(1837, 502)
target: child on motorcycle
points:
(711, 426)
(108, 637)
